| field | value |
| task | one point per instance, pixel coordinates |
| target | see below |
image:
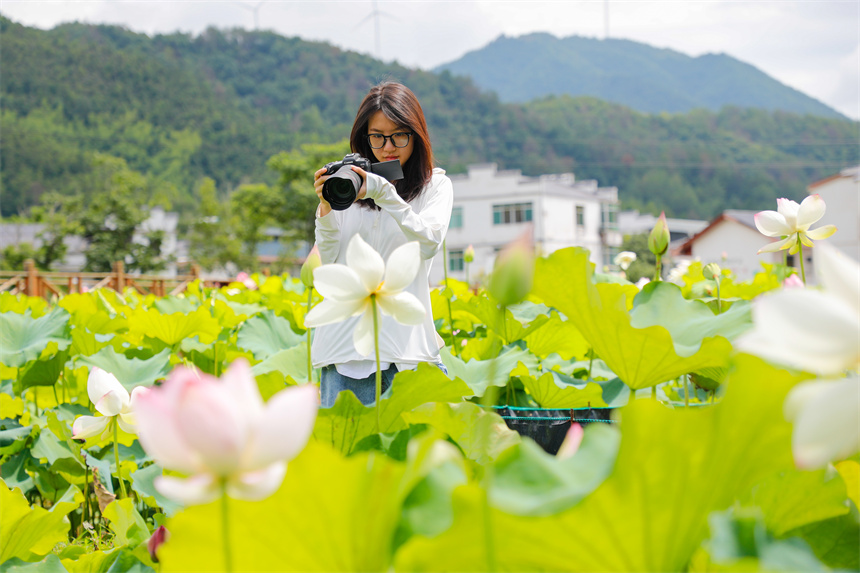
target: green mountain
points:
(178, 108)
(636, 75)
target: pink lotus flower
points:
(222, 434)
(246, 280)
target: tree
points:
(646, 263)
(212, 239)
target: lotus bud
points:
(311, 262)
(469, 254)
(712, 271)
(658, 240)
(159, 536)
(513, 271)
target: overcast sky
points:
(811, 45)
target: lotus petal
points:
(778, 245)
(362, 337)
(284, 428)
(242, 388)
(826, 427)
(366, 262)
(402, 267)
(89, 426)
(821, 232)
(329, 311)
(404, 307)
(810, 210)
(254, 486)
(772, 224)
(158, 428)
(128, 422)
(839, 274)
(100, 383)
(197, 489)
(338, 282)
(111, 403)
(212, 426)
(788, 209)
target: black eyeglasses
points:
(400, 139)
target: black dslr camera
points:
(343, 185)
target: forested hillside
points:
(179, 108)
(645, 78)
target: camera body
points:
(343, 184)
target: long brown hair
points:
(399, 105)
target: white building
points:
(492, 208)
(841, 194)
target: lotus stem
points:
(654, 393)
(686, 391)
(800, 255)
(308, 334)
(116, 458)
(448, 299)
(658, 274)
(378, 373)
(590, 362)
(225, 528)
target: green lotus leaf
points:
(29, 533)
(549, 392)
(21, 304)
(796, 498)
(480, 374)
(127, 524)
(641, 357)
(84, 342)
(348, 421)
(485, 311)
(130, 372)
(23, 338)
(466, 424)
(171, 329)
(651, 513)
(834, 541)
(14, 471)
(550, 334)
(292, 362)
(331, 514)
(173, 304)
(267, 334)
(42, 372)
(529, 481)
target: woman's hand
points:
(363, 191)
(319, 179)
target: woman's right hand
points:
(319, 179)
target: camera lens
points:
(341, 188)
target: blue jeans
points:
(333, 383)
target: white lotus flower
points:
(112, 400)
(809, 329)
(221, 434)
(826, 417)
(349, 290)
(791, 222)
(624, 259)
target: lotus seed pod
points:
(658, 240)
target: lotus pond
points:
(694, 471)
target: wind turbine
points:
(375, 14)
(255, 9)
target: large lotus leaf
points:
(128, 526)
(485, 311)
(130, 372)
(798, 498)
(529, 481)
(467, 424)
(292, 362)
(171, 329)
(29, 533)
(43, 372)
(85, 343)
(172, 304)
(267, 334)
(550, 334)
(849, 470)
(233, 314)
(480, 374)
(641, 357)
(674, 468)
(836, 541)
(331, 514)
(348, 421)
(23, 338)
(14, 472)
(549, 393)
(689, 322)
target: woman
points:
(389, 125)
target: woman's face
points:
(380, 124)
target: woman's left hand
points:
(363, 191)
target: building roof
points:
(849, 172)
(746, 218)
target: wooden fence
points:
(34, 282)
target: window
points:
(456, 218)
(512, 213)
(609, 216)
(580, 215)
(455, 260)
